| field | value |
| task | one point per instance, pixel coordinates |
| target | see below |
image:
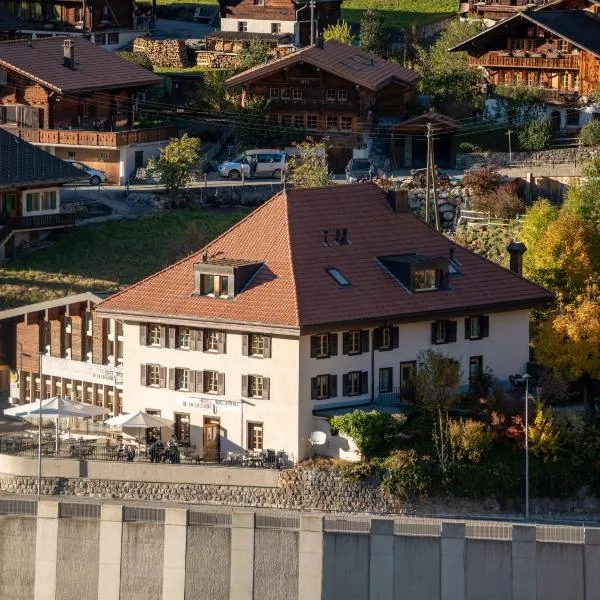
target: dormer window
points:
(426, 279)
(417, 272)
(214, 285)
(223, 278)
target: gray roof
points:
(579, 27)
(20, 311)
(22, 164)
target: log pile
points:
(217, 60)
(163, 53)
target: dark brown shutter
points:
(144, 335)
(364, 340)
(245, 344)
(485, 326)
(172, 337)
(346, 342)
(163, 336)
(266, 388)
(267, 346)
(314, 346)
(221, 341)
(434, 332)
(333, 344)
(346, 384)
(377, 339)
(244, 386)
(199, 382)
(221, 383)
(451, 331)
(171, 379)
(162, 373)
(364, 382)
(313, 388)
(143, 374)
(395, 337)
(467, 328)
(332, 386)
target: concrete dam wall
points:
(63, 550)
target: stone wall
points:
(544, 157)
(312, 487)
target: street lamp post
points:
(527, 377)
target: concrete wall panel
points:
(416, 568)
(207, 563)
(275, 564)
(77, 559)
(345, 566)
(560, 571)
(17, 557)
(142, 556)
(486, 561)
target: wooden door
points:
(212, 438)
(408, 373)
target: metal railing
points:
(123, 451)
(204, 519)
(143, 514)
(79, 510)
(419, 527)
(277, 522)
(18, 507)
(347, 524)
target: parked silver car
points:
(96, 176)
(269, 163)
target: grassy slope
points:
(397, 13)
(110, 255)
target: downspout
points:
(373, 367)
(297, 25)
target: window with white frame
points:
(214, 285)
(255, 387)
(323, 344)
(285, 93)
(211, 340)
(242, 26)
(275, 28)
(183, 338)
(353, 388)
(274, 92)
(346, 123)
(323, 387)
(386, 338)
(354, 342)
(41, 200)
(297, 93)
(154, 335)
(257, 344)
(312, 122)
(211, 382)
(342, 95)
(182, 379)
(330, 95)
(153, 375)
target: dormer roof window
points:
(418, 272)
(224, 278)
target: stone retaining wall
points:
(545, 157)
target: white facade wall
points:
(47, 211)
(256, 25)
(279, 414)
(127, 157)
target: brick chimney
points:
(69, 54)
(516, 251)
(398, 200)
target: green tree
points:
(212, 93)
(590, 134)
(137, 58)
(310, 168)
(175, 162)
(339, 33)
(535, 135)
(372, 34)
(446, 75)
(254, 53)
(584, 199)
(437, 383)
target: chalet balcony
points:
(35, 222)
(101, 139)
(313, 102)
(525, 61)
(565, 97)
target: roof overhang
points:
(21, 311)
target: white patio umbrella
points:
(55, 407)
(138, 420)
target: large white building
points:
(319, 299)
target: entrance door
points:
(139, 159)
(408, 372)
(212, 438)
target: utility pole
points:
(312, 22)
(427, 180)
(433, 179)
(509, 133)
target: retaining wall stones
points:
(544, 157)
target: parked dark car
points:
(360, 169)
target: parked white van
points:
(269, 163)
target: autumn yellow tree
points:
(568, 341)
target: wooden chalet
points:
(280, 17)
(496, 10)
(77, 100)
(555, 51)
(330, 88)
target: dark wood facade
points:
(73, 14)
(497, 10)
(523, 52)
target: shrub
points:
(552, 389)
(484, 180)
(406, 475)
(467, 147)
(502, 204)
(535, 135)
(470, 439)
(137, 58)
(590, 134)
(369, 430)
(544, 435)
(357, 472)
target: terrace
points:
(527, 60)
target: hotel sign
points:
(206, 404)
(82, 371)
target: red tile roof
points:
(293, 287)
(348, 62)
(95, 68)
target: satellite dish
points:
(317, 438)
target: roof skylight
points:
(338, 277)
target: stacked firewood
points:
(163, 53)
(216, 60)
